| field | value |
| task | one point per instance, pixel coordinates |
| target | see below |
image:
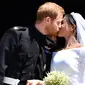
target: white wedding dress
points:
(72, 62)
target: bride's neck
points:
(70, 41)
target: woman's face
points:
(66, 29)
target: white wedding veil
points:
(80, 27)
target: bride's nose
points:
(62, 25)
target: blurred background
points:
(23, 12)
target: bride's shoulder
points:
(68, 51)
(63, 52)
(64, 55)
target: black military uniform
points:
(25, 54)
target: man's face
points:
(55, 25)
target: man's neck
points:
(53, 38)
(41, 28)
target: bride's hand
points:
(34, 82)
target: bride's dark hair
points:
(70, 19)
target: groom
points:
(55, 24)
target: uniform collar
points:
(43, 40)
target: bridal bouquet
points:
(56, 78)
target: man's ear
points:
(48, 19)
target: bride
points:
(71, 59)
